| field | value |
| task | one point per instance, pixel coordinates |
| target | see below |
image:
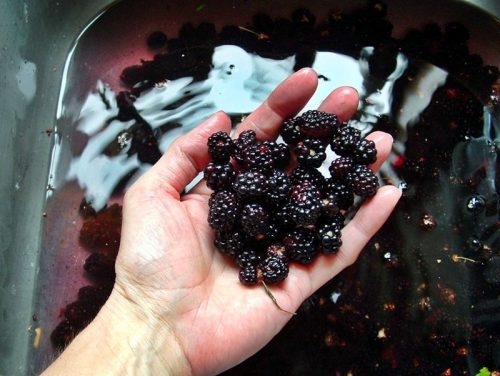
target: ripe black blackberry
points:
(305, 202)
(248, 275)
(274, 269)
(250, 184)
(258, 157)
(280, 153)
(302, 173)
(342, 191)
(329, 206)
(344, 140)
(290, 130)
(318, 124)
(329, 237)
(364, 152)
(224, 209)
(283, 218)
(310, 152)
(340, 167)
(247, 256)
(300, 245)
(244, 140)
(279, 186)
(363, 181)
(254, 219)
(219, 176)
(220, 147)
(230, 243)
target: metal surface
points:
(35, 38)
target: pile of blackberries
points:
(266, 213)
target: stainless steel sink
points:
(36, 38)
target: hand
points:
(177, 305)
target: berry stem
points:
(270, 294)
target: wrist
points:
(124, 340)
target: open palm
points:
(169, 269)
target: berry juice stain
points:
(126, 97)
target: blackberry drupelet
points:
(220, 147)
(340, 167)
(244, 140)
(254, 219)
(363, 181)
(300, 245)
(248, 275)
(250, 184)
(305, 202)
(274, 269)
(318, 124)
(344, 140)
(310, 152)
(258, 157)
(290, 130)
(219, 176)
(329, 237)
(280, 153)
(230, 243)
(301, 174)
(224, 210)
(342, 191)
(279, 187)
(364, 152)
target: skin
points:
(177, 306)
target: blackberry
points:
(318, 124)
(247, 256)
(300, 245)
(364, 152)
(310, 152)
(329, 237)
(363, 181)
(258, 157)
(250, 184)
(248, 275)
(244, 140)
(344, 140)
(274, 269)
(230, 243)
(223, 210)
(329, 206)
(254, 219)
(342, 191)
(279, 186)
(340, 167)
(283, 217)
(305, 201)
(220, 147)
(280, 153)
(100, 265)
(219, 176)
(301, 174)
(290, 130)
(270, 234)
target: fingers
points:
(284, 102)
(342, 102)
(383, 143)
(187, 156)
(367, 221)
